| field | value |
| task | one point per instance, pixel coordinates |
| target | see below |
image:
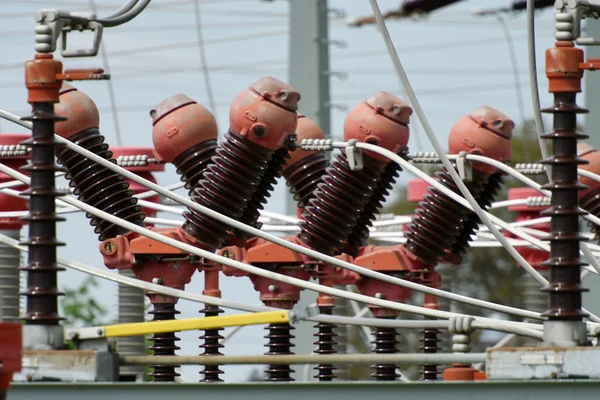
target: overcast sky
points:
(456, 62)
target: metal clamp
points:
(316, 144)
(568, 15)
(304, 313)
(354, 155)
(464, 167)
(52, 23)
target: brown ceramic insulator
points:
(325, 345)
(163, 343)
(228, 185)
(491, 188)
(212, 345)
(280, 343)
(564, 286)
(98, 186)
(192, 163)
(360, 233)
(340, 199)
(438, 220)
(304, 175)
(42, 287)
(265, 187)
(385, 342)
(430, 341)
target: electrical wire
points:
(268, 274)
(274, 239)
(533, 82)
(532, 330)
(203, 59)
(488, 217)
(517, 81)
(109, 82)
(123, 9)
(139, 6)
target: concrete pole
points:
(309, 74)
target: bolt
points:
(259, 131)
(109, 247)
(99, 332)
(157, 281)
(380, 296)
(272, 288)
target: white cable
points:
(533, 81)
(438, 149)
(532, 330)
(150, 193)
(258, 233)
(160, 207)
(489, 218)
(282, 278)
(274, 239)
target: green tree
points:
(80, 308)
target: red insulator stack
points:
(92, 183)
(131, 299)
(304, 169)
(439, 222)
(381, 120)
(261, 119)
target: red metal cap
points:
(382, 120)
(179, 123)
(485, 132)
(591, 155)
(265, 113)
(417, 189)
(306, 129)
(80, 110)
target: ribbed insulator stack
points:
(337, 204)
(564, 287)
(212, 345)
(261, 119)
(163, 343)
(441, 228)
(304, 176)
(438, 220)
(385, 342)
(93, 184)
(267, 184)
(430, 345)
(360, 233)
(42, 287)
(491, 187)
(280, 343)
(325, 345)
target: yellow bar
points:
(147, 328)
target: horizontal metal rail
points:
(467, 358)
(148, 328)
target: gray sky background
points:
(456, 62)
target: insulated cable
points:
(282, 242)
(531, 330)
(284, 278)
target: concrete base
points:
(547, 390)
(527, 363)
